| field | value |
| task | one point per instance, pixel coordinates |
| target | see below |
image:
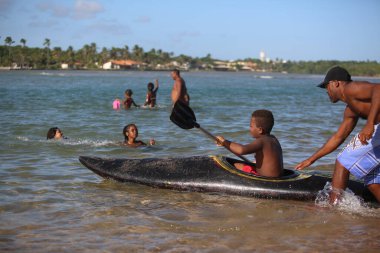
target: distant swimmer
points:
(55, 133)
(116, 104)
(128, 101)
(151, 95)
(130, 133)
(179, 91)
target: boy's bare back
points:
(269, 161)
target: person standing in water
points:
(361, 157)
(179, 90)
(151, 95)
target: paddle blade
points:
(183, 116)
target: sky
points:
(296, 30)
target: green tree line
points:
(91, 57)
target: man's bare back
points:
(179, 91)
(357, 96)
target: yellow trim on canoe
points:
(228, 167)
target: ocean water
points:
(51, 203)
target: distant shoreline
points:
(6, 69)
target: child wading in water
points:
(267, 149)
(128, 99)
(55, 133)
(151, 95)
(130, 133)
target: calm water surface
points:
(51, 203)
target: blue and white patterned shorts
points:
(363, 161)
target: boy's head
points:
(128, 92)
(150, 86)
(54, 133)
(264, 120)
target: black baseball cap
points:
(335, 73)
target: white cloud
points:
(112, 28)
(55, 9)
(85, 9)
(143, 19)
(181, 36)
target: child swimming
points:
(55, 133)
(130, 133)
(128, 99)
(151, 95)
(116, 104)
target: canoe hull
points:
(212, 174)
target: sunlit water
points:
(51, 203)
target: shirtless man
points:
(179, 91)
(361, 157)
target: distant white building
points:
(262, 56)
(122, 64)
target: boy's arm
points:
(240, 149)
(156, 82)
(133, 102)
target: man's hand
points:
(303, 164)
(366, 134)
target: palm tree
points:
(70, 56)
(126, 52)
(104, 55)
(93, 53)
(23, 42)
(8, 41)
(47, 47)
(138, 53)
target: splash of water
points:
(348, 202)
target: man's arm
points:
(373, 115)
(348, 124)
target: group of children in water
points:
(130, 131)
(266, 147)
(150, 99)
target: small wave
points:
(93, 143)
(73, 142)
(51, 74)
(22, 138)
(348, 202)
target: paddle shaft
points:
(210, 135)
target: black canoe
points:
(214, 174)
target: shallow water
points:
(50, 202)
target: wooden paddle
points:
(183, 116)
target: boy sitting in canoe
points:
(130, 133)
(267, 148)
